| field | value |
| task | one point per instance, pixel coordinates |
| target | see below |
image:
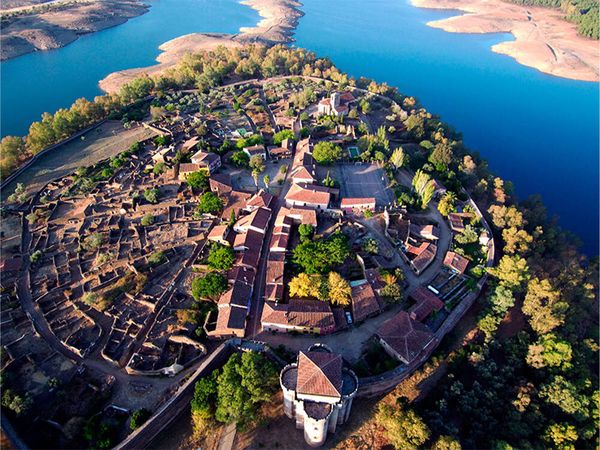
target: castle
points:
(318, 392)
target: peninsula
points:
(543, 40)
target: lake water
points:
(536, 130)
(539, 131)
(46, 81)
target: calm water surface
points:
(539, 131)
(46, 81)
(536, 130)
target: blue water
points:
(539, 131)
(46, 81)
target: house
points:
(305, 316)
(316, 197)
(219, 234)
(318, 392)
(429, 232)
(364, 302)
(251, 240)
(350, 204)
(279, 242)
(404, 338)
(257, 220)
(231, 322)
(456, 221)
(274, 279)
(261, 199)
(336, 105)
(456, 262)
(235, 202)
(422, 256)
(241, 275)
(184, 169)
(426, 303)
(256, 150)
(282, 151)
(220, 184)
(303, 174)
(206, 160)
(190, 144)
(238, 295)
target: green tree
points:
(371, 246)
(205, 396)
(404, 429)
(446, 204)
(318, 256)
(220, 257)
(198, 180)
(548, 351)
(564, 394)
(280, 136)
(441, 156)
(511, 271)
(424, 187)
(305, 230)
(212, 285)
(468, 236)
(240, 159)
(147, 220)
(561, 435)
(544, 306)
(138, 418)
(209, 203)
(392, 293)
(398, 158)
(446, 442)
(152, 195)
(326, 153)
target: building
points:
(318, 392)
(208, 161)
(282, 151)
(404, 338)
(190, 144)
(219, 234)
(261, 199)
(429, 232)
(305, 316)
(257, 220)
(220, 184)
(456, 262)
(184, 169)
(336, 105)
(422, 256)
(256, 150)
(358, 204)
(316, 197)
(364, 301)
(425, 303)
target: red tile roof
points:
(319, 373)
(456, 262)
(351, 202)
(364, 302)
(426, 302)
(238, 295)
(308, 194)
(230, 320)
(259, 218)
(405, 336)
(260, 199)
(275, 271)
(300, 313)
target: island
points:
(260, 242)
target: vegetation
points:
(147, 220)
(240, 159)
(331, 287)
(138, 418)
(220, 257)
(152, 195)
(280, 136)
(209, 203)
(198, 180)
(326, 153)
(156, 259)
(318, 256)
(234, 393)
(211, 286)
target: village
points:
(262, 212)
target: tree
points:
(561, 435)
(506, 216)
(446, 204)
(371, 246)
(424, 187)
(16, 403)
(257, 163)
(147, 220)
(138, 418)
(198, 180)
(397, 158)
(516, 241)
(209, 203)
(320, 255)
(205, 396)
(267, 181)
(280, 136)
(544, 306)
(305, 230)
(305, 285)
(340, 292)
(404, 429)
(159, 168)
(220, 257)
(156, 259)
(441, 157)
(512, 272)
(209, 286)
(326, 153)
(562, 393)
(152, 195)
(468, 236)
(445, 442)
(392, 293)
(549, 351)
(240, 159)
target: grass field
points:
(103, 142)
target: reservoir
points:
(539, 131)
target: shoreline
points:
(543, 39)
(57, 28)
(276, 26)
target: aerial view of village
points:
(244, 247)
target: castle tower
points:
(318, 392)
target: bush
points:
(138, 418)
(147, 220)
(152, 195)
(156, 259)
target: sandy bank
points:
(63, 25)
(279, 19)
(543, 39)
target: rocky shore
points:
(62, 24)
(544, 40)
